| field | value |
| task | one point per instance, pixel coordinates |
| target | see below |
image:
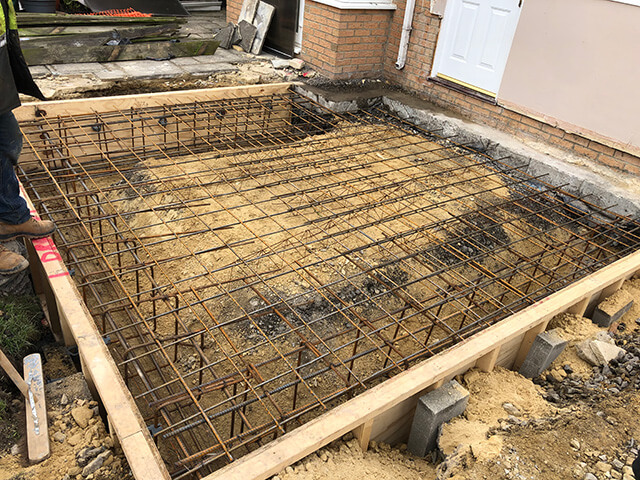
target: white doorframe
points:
(446, 27)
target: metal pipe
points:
(407, 26)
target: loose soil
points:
(542, 441)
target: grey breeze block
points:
(603, 319)
(545, 349)
(434, 409)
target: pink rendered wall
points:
(577, 63)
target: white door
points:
(474, 43)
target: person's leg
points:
(13, 208)
(15, 218)
(636, 467)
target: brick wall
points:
(345, 44)
(233, 10)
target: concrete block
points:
(434, 409)
(612, 309)
(545, 349)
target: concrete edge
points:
(600, 185)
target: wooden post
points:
(488, 362)
(363, 434)
(610, 290)
(580, 308)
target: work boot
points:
(11, 262)
(32, 228)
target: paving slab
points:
(182, 61)
(110, 71)
(76, 68)
(148, 69)
(229, 56)
(39, 71)
(209, 69)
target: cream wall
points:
(577, 63)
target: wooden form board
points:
(395, 397)
(99, 368)
(83, 106)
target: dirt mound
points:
(346, 461)
(574, 329)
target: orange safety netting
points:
(127, 12)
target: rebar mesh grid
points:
(253, 262)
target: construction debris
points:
(251, 30)
(597, 352)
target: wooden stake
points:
(14, 375)
(37, 429)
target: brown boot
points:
(32, 228)
(11, 262)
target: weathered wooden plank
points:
(70, 53)
(135, 31)
(51, 19)
(38, 447)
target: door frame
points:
(447, 17)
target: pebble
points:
(86, 454)
(73, 471)
(575, 444)
(82, 415)
(511, 409)
(15, 450)
(59, 437)
(617, 464)
(603, 467)
(96, 463)
(75, 439)
(64, 400)
(590, 476)
(288, 470)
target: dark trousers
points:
(13, 208)
(636, 467)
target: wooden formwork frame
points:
(383, 413)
